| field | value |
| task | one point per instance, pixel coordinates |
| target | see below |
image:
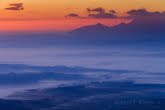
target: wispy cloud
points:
(15, 6)
(72, 15)
(97, 13)
(144, 12)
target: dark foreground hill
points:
(94, 96)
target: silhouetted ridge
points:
(138, 26)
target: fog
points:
(139, 62)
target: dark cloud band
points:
(15, 6)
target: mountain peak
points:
(141, 26)
(92, 29)
(99, 24)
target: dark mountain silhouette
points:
(143, 27)
(92, 30)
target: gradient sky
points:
(50, 14)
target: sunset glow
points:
(50, 14)
(61, 25)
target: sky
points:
(64, 15)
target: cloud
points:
(97, 13)
(101, 13)
(99, 10)
(72, 15)
(144, 18)
(143, 12)
(15, 6)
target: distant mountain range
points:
(138, 28)
(141, 31)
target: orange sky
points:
(51, 12)
(60, 25)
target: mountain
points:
(138, 28)
(142, 26)
(92, 30)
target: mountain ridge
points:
(137, 26)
